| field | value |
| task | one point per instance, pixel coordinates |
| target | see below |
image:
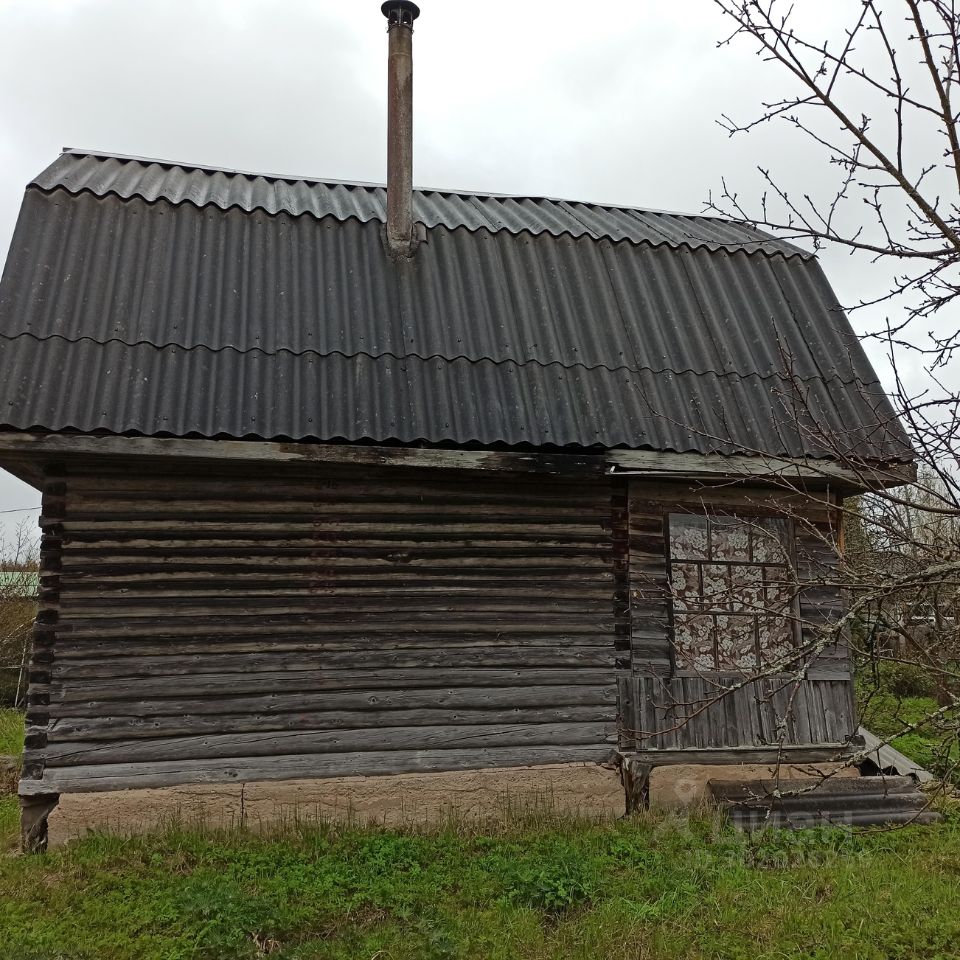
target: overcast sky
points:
(615, 100)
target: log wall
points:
(205, 627)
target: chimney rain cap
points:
(400, 12)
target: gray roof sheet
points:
(153, 298)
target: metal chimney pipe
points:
(400, 15)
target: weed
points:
(551, 888)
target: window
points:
(733, 591)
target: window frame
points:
(686, 669)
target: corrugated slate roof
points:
(150, 298)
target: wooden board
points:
(675, 713)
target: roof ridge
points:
(387, 354)
(629, 209)
(213, 168)
(373, 185)
(748, 247)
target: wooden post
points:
(34, 812)
(636, 784)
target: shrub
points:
(905, 680)
(16, 621)
(19, 566)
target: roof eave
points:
(23, 451)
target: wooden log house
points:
(530, 491)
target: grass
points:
(11, 744)
(11, 732)
(9, 822)
(548, 888)
(885, 714)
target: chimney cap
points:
(400, 12)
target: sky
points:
(616, 101)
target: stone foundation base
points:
(588, 790)
(413, 799)
(681, 786)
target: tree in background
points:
(18, 590)
(868, 99)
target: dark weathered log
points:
(127, 776)
(95, 591)
(447, 660)
(303, 742)
(309, 627)
(73, 648)
(325, 484)
(535, 563)
(452, 698)
(400, 506)
(352, 610)
(308, 680)
(112, 728)
(312, 626)
(123, 531)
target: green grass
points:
(9, 828)
(11, 732)
(645, 888)
(885, 714)
(932, 746)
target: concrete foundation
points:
(588, 790)
(682, 786)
